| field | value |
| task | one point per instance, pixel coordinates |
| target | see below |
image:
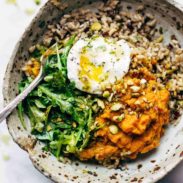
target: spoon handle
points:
(4, 113)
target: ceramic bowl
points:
(149, 168)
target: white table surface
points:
(15, 166)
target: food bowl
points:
(148, 168)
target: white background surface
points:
(15, 166)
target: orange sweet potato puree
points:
(145, 115)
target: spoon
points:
(4, 113)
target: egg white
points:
(95, 63)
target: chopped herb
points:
(37, 2)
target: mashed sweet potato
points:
(138, 112)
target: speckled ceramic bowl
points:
(151, 167)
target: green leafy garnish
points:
(37, 2)
(60, 115)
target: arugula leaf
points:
(56, 80)
(39, 104)
(66, 50)
(77, 107)
(57, 99)
(21, 115)
(46, 136)
(37, 117)
(22, 85)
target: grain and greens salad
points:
(111, 84)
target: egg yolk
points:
(89, 71)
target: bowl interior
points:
(148, 168)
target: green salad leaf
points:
(61, 116)
(22, 85)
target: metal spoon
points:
(4, 113)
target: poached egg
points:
(95, 63)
